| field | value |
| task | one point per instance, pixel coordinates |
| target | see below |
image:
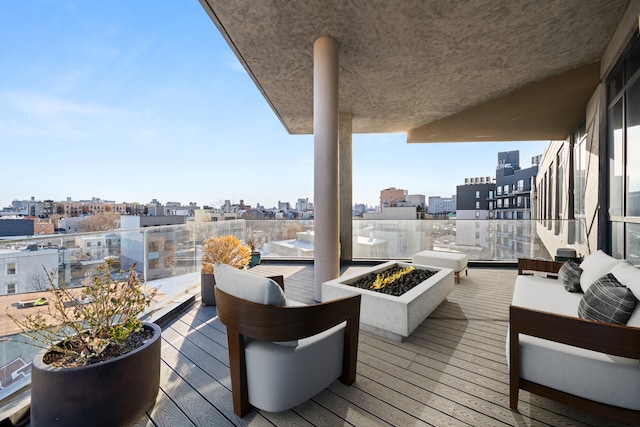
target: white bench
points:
(454, 260)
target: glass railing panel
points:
(481, 240)
(168, 258)
(282, 238)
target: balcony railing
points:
(168, 257)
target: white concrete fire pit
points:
(390, 316)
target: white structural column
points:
(325, 175)
(345, 160)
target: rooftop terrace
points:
(451, 371)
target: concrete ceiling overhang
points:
(478, 70)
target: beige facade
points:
(389, 196)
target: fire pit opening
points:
(395, 281)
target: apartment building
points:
(474, 199)
(389, 196)
(441, 205)
(513, 187)
(158, 256)
(25, 270)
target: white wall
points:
(30, 269)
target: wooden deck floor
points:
(451, 371)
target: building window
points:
(477, 217)
(560, 161)
(477, 194)
(624, 155)
(477, 205)
(11, 269)
(11, 288)
(505, 189)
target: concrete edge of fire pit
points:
(390, 316)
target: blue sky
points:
(134, 100)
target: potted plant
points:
(255, 254)
(226, 250)
(99, 365)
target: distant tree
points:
(290, 230)
(38, 279)
(99, 222)
(200, 232)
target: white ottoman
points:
(453, 260)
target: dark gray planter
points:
(255, 258)
(111, 393)
(207, 285)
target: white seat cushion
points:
(453, 260)
(298, 373)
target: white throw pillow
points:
(249, 286)
(594, 267)
(629, 276)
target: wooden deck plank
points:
(351, 414)
(446, 387)
(195, 406)
(378, 408)
(186, 360)
(166, 412)
(451, 371)
(318, 415)
(143, 422)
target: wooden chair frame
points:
(279, 323)
(602, 337)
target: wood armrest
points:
(606, 338)
(280, 323)
(528, 264)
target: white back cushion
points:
(628, 275)
(594, 267)
(248, 286)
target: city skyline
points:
(130, 102)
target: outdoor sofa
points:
(555, 352)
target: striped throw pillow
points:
(607, 300)
(569, 274)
